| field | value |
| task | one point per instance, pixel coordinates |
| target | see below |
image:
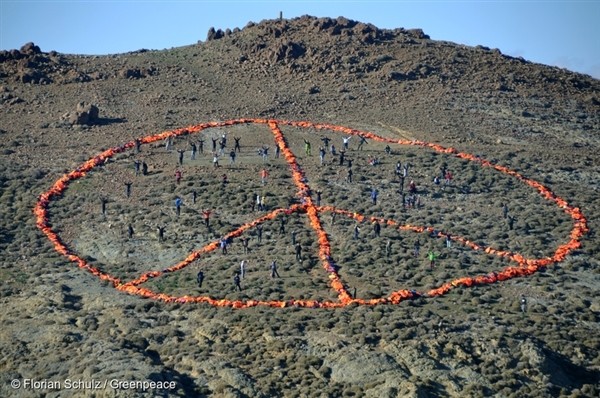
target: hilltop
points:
(58, 110)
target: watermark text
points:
(91, 384)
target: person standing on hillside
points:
(201, 145)
(448, 178)
(245, 242)
(282, 226)
(180, 152)
(504, 210)
(257, 202)
(178, 203)
(264, 153)
(168, 143)
(349, 176)
(325, 141)
(214, 144)
(274, 273)
(376, 229)
(138, 145)
(232, 157)
(144, 168)
(374, 194)
(417, 248)
(236, 282)
(388, 248)
(398, 169)
(346, 140)
(136, 165)
(263, 176)
(103, 202)
(161, 233)
(322, 155)
(130, 231)
(342, 154)
(215, 160)
(431, 256)
(178, 176)
(128, 189)
(259, 230)
(307, 147)
(200, 278)
(298, 249)
(362, 141)
(511, 221)
(319, 193)
(206, 215)
(223, 245)
(356, 232)
(194, 149)
(409, 201)
(412, 187)
(243, 268)
(263, 203)
(237, 146)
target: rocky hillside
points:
(60, 322)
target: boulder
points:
(9, 55)
(30, 49)
(286, 51)
(27, 75)
(322, 24)
(15, 54)
(85, 113)
(366, 32)
(214, 34)
(130, 73)
(417, 33)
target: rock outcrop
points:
(84, 114)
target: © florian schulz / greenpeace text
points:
(91, 384)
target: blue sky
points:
(560, 33)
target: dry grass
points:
(469, 207)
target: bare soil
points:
(61, 322)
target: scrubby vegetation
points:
(59, 321)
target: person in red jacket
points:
(206, 214)
(263, 176)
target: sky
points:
(559, 33)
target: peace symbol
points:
(521, 266)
